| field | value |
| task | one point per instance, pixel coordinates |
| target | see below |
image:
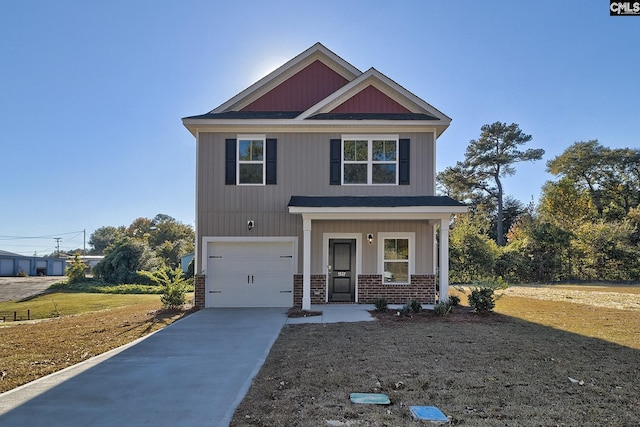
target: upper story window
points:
(251, 158)
(370, 159)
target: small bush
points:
(442, 308)
(173, 283)
(381, 305)
(481, 300)
(454, 300)
(411, 307)
(415, 306)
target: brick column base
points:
(198, 298)
(422, 288)
(318, 289)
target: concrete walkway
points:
(194, 372)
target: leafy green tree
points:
(472, 253)
(123, 260)
(607, 251)
(609, 177)
(76, 270)
(104, 237)
(487, 161)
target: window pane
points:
(251, 150)
(390, 249)
(251, 174)
(396, 272)
(384, 151)
(356, 151)
(384, 173)
(396, 249)
(402, 247)
(355, 173)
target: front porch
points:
(419, 284)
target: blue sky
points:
(92, 93)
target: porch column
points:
(444, 259)
(306, 264)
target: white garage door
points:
(250, 274)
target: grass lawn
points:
(66, 303)
(533, 362)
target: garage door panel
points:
(250, 274)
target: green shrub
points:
(411, 307)
(75, 271)
(174, 285)
(454, 300)
(481, 300)
(381, 304)
(442, 308)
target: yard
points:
(537, 361)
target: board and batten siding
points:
(302, 169)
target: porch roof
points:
(375, 207)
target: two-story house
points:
(317, 185)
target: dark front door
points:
(342, 284)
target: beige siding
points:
(303, 169)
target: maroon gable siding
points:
(301, 91)
(370, 100)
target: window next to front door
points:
(396, 252)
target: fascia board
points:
(365, 212)
(317, 51)
(332, 126)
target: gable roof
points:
(318, 85)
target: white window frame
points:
(370, 162)
(263, 162)
(411, 236)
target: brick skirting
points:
(318, 289)
(370, 288)
(422, 288)
(198, 297)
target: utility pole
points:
(84, 242)
(57, 239)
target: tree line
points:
(145, 245)
(585, 226)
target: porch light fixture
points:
(250, 224)
(370, 237)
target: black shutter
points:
(403, 166)
(335, 158)
(230, 162)
(272, 155)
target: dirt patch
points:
(297, 312)
(492, 370)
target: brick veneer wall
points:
(318, 289)
(422, 288)
(198, 298)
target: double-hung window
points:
(370, 159)
(251, 156)
(396, 255)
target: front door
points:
(342, 284)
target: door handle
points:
(247, 279)
(252, 279)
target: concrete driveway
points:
(194, 372)
(17, 288)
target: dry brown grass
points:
(513, 367)
(31, 350)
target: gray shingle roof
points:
(371, 201)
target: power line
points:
(49, 236)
